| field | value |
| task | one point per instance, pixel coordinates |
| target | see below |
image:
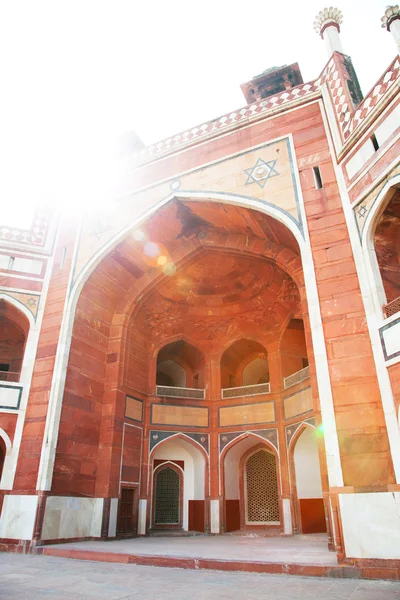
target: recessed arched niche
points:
(180, 364)
(14, 329)
(244, 363)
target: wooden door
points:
(196, 515)
(127, 512)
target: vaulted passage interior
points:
(387, 248)
(190, 334)
(14, 328)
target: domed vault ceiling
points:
(219, 289)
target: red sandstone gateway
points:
(222, 352)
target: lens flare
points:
(151, 249)
(138, 235)
(162, 260)
(169, 269)
(320, 430)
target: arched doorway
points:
(218, 288)
(168, 492)
(179, 485)
(251, 485)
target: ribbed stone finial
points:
(326, 17)
(391, 14)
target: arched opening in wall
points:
(293, 353)
(306, 483)
(217, 273)
(168, 496)
(261, 489)
(179, 479)
(14, 329)
(387, 250)
(179, 365)
(3, 451)
(251, 485)
(244, 365)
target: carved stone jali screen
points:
(262, 503)
(167, 497)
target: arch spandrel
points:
(262, 177)
(366, 211)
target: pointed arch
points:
(181, 435)
(374, 276)
(195, 466)
(323, 376)
(243, 436)
(5, 453)
(177, 481)
(14, 335)
(19, 306)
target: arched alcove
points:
(14, 329)
(179, 364)
(240, 478)
(260, 484)
(386, 240)
(245, 362)
(168, 496)
(2, 455)
(189, 462)
(293, 348)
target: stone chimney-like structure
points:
(391, 22)
(272, 81)
(327, 24)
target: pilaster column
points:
(214, 395)
(276, 382)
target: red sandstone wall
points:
(394, 373)
(8, 422)
(130, 471)
(293, 349)
(93, 363)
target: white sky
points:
(75, 72)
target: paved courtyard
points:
(33, 577)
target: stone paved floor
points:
(304, 549)
(33, 577)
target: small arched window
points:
(14, 328)
(180, 365)
(244, 363)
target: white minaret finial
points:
(327, 24)
(391, 22)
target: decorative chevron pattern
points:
(212, 127)
(378, 91)
(334, 75)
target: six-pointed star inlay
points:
(261, 172)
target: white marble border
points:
(371, 303)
